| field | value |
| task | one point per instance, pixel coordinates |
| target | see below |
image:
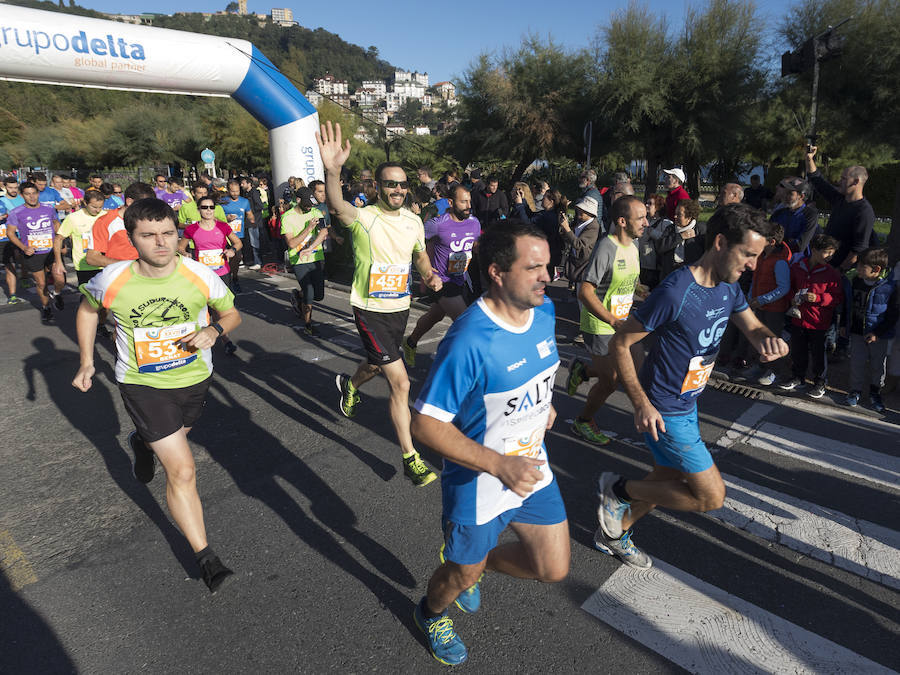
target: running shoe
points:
(310, 330)
(578, 340)
(296, 300)
(623, 549)
(143, 467)
(409, 354)
(417, 471)
(766, 379)
(14, 300)
(576, 377)
(349, 395)
(791, 384)
(215, 574)
(877, 403)
(255, 267)
(443, 642)
(589, 432)
(611, 509)
(46, 314)
(470, 599)
(852, 399)
(817, 390)
(57, 298)
(230, 348)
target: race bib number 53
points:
(388, 281)
(156, 349)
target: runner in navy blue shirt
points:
(688, 312)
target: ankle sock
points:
(411, 343)
(410, 454)
(620, 491)
(427, 612)
(204, 554)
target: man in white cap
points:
(582, 238)
(675, 185)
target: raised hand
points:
(333, 154)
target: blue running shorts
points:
(680, 447)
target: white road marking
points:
(845, 458)
(706, 630)
(743, 425)
(841, 414)
(867, 549)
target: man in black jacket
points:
(257, 232)
(490, 205)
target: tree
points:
(526, 105)
(410, 114)
(232, 7)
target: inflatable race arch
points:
(65, 49)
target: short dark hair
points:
(149, 208)
(733, 222)
(137, 191)
(691, 208)
(823, 241)
(386, 165)
(159, 175)
(92, 195)
(425, 169)
(199, 186)
(313, 184)
(873, 257)
(207, 197)
(234, 181)
(777, 232)
(95, 175)
(38, 175)
(455, 190)
(106, 189)
(175, 180)
(27, 184)
(497, 245)
(10, 179)
(621, 208)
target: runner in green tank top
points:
(607, 292)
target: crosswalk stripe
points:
(845, 458)
(705, 629)
(867, 549)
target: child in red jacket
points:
(817, 290)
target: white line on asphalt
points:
(842, 414)
(743, 425)
(845, 458)
(706, 630)
(867, 549)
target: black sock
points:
(427, 612)
(620, 491)
(204, 554)
(584, 419)
(411, 343)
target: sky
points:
(439, 38)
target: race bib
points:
(87, 240)
(212, 257)
(156, 350)
(620, 305)
(698, 374)
(526, 446)
(389, 281)
(3, 231)
(40, 242)
(458, 262)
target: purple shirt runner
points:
(453, 242)
(174, 199)
(33, 226)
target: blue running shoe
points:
(443, 642)
(470, 599)
(611, 509)
(623, 549)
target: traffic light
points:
(824, 47)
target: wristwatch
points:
(218, 328)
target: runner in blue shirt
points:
(48, 196)
(8, 202)
(688, 312)
(485, 408)
(239, 214)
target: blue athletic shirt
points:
(50, 197)
(239, 207)
(688, 320)
(494, 382)
(12, 202)
(3, 236)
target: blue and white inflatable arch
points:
(57, 48)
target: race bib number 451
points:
(388, 281)
(156, 349)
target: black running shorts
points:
(381, 334)
(38, 261)
(158, 413)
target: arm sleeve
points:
(599, 264)
(220, 298)
(431, 229)
(824, 188)
(94, 290)
(834, 293)
(812, 226)
(100, 236)
(453, 375)
(67, 227)
(862, 229)
(890, 316)
(420, 237)
(224, 228)
(782, 284)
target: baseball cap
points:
(588, 205)
(678, 173)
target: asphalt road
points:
(332, 547)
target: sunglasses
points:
(395, 183)
(207, 208)
(117, 192)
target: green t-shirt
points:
(383, 246)
(293, 222)
(614, 270)
(189, 213)
(152, 314)
(79, 226)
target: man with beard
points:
(451, 239)
(688, 312)
(799, 218)
(386, 239)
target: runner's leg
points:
(448, 581)
(40, 283)
(704, 491)
(542, 552)
(426, 322)
(181, 486)
(398, 380)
